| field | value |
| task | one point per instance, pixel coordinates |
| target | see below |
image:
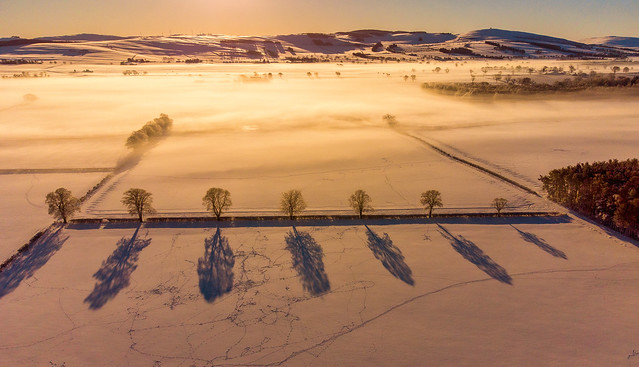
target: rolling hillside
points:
(314, 47)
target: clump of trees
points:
(62, 205)
(391, 120)
(360, 201)
(607, 192)
(133, 73)
(528, 86)
(458, 51)
(217, 200)
(138, 202)
(292, 203)
(431, 199)
(150, 132)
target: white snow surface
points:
(524, 292)
(480, 292)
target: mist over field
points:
(106, 290)
(82, 120)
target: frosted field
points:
(524, 292)
(327, 165)
(527, 149)
(452, 292)
(22, 209)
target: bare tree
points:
(138, 202)
(391, 120)
(499, 204)
(431, 199)
(217, 200)
(62, 205)
(615, 69)
(292, 203)
(360, 202)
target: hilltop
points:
(363, 45)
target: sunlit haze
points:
(305, 183)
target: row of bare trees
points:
(139, 202)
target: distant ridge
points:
(363, 45)
(501, 34)
(84, 37)
(632, 42)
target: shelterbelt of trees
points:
(607, 192)
(526, 86)
(150, 132)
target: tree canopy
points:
(217, 200)
(607, 192)
(62, 205)
(292, 203)
(360, 201)
(431, 199)
(138, 202)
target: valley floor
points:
(463, 292)
(511, 291)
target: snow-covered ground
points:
(535, 291)
(361, 45)
(528, 146)
(526, 292)
(22, 209)
(327, 165)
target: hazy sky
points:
(573, 19)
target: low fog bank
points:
(85, 120)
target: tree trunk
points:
(430, 212)
(218, 216)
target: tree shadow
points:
(475, 255)
(26, 263)
(115, 272)
(215, 268)
(390, 256)
(541, 243)
(307, 260)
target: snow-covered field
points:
(22, 209)
(450, 292)
(527, 146)
(536, 291)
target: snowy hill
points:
(615, 41)
(311, 47)
(85, 37)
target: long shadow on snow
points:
(115, 272)
(215, 268)
(390, 256)
(307, 260)
(28, 262)
(539, 242)
(475, 255)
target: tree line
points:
(525, 85)
(150, 132)
(607, 192)
(139, 202)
